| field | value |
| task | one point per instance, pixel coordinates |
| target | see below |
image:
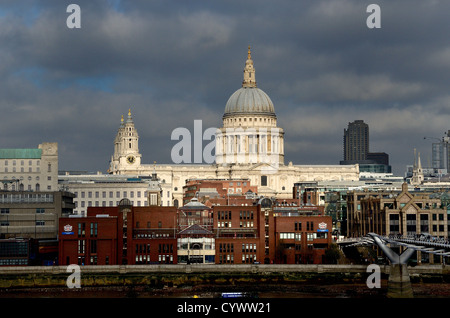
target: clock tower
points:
(126, 157)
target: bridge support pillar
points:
(399, 283)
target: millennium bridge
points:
(399, 284)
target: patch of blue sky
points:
(116, 5)
(34, 75)
(41, 78)
(27, 13)
(104, 84)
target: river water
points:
(274, 291)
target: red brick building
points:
(119, 235)
(264, 232)
(213, 189)
(239, 234)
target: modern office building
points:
(356, 150)
(440, 154)
(31, 214)
(356, 141)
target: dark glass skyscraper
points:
(356, 141)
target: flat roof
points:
(20, 153)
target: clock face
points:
(131, 159)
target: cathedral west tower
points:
(126, 147)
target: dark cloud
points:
(176, 61)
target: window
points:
(286, 236)
(81, 229)
(263, 181)
(311, 236)
(94, 246)
(94, 227)
(4, 210)
(410, 223)
(81, 246)
(39, 210)
(394, 223)
(40, 223)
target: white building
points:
(34, 169)
(100, 190)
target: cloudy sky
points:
(173, 62)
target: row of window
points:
(423, 217)
(22, 162)
(6, 211)
(37, 223)
(110, 194)
(248, 224)
(82, 229)
(425, 228)
(22, 169)
(309, 226)
(229, 258)
(84, 204)
(229, 247)
(21, 187)
(298, 236)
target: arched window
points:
(38, 187)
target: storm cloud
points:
(173, 62)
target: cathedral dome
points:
(249, 100)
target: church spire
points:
(129, 119)
(249, 71)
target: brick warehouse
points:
(195, 233)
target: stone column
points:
(399, 283)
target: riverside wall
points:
(185, 275)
